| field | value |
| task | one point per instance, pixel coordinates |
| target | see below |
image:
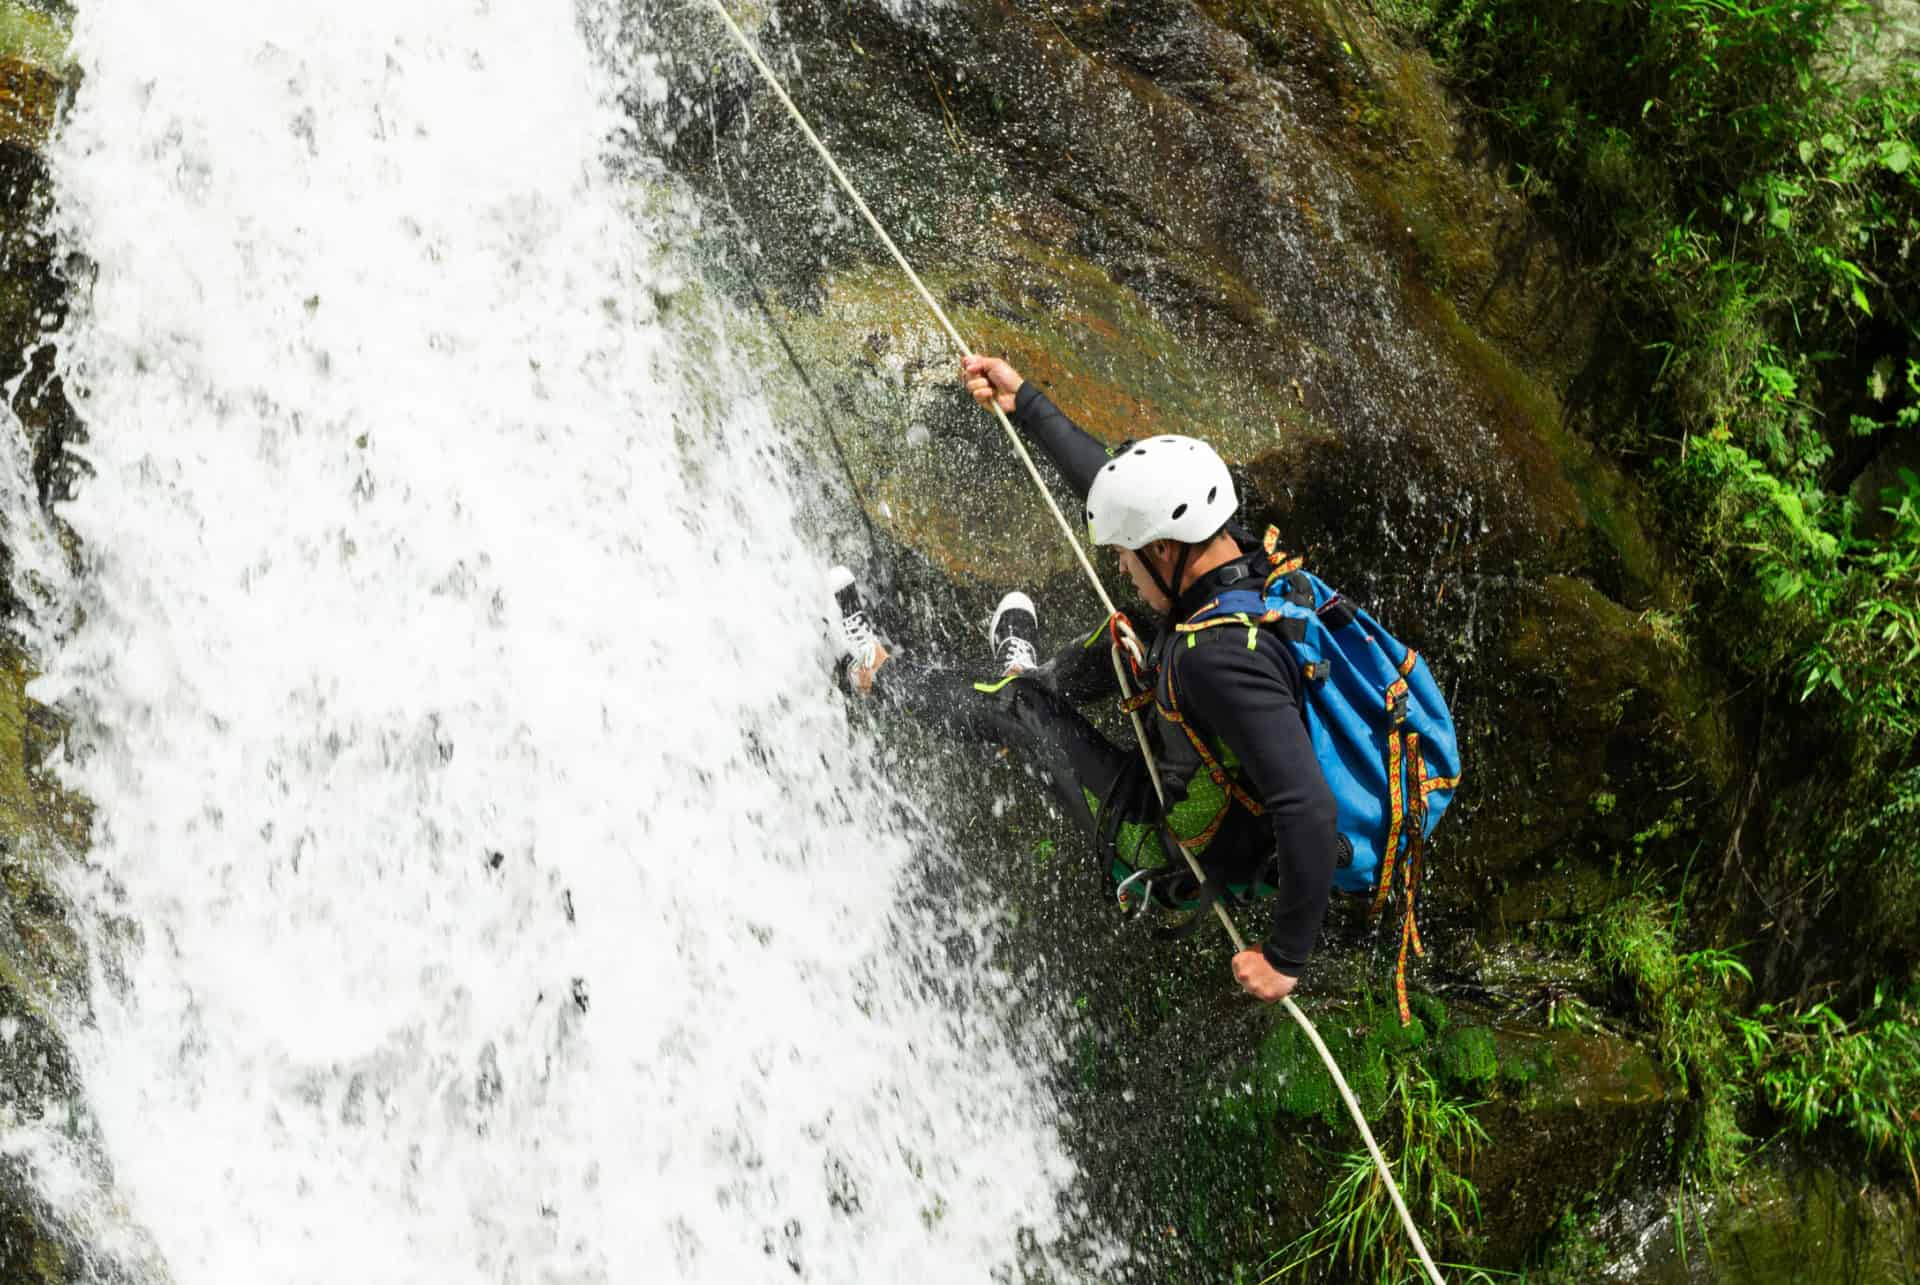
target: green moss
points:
(1365, 1041)
(1428, 1012)
(1688, 998)
(38, 821)
(16, 793)
(1467, 1059)
(32, 35)
(48, 1262)
(28, 1255)
(1298, 1085)
(33, 68)
(1519, 1074)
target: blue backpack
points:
(1379, 725)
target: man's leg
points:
(1101, 786)
(1021, 712)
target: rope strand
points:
(846, 184)
(1293, 1009)
(1099, 588)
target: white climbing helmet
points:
(1162, 488)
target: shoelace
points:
(1017, 652)
(861, 638)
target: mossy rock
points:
(1364, 1038)
(1568, 891)
(29, 1253)
(1567, 1113)
(1610, 742)
(1573, 1113)
(1790, 1217)
(34, 71)
(42, 964)
(1466, 1058)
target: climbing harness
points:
(1125, 656)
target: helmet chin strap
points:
(1172, 592)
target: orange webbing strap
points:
(1231, 788)
(1416, 850)
(1282, 564)
(1407, 789)
(1171, 712)
(1396, 801)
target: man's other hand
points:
(1260, 979)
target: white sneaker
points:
(859, 640)
(1014, 630)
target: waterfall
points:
(486, 883)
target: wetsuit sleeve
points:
(1082, 671)
(1250, 699)
(1077, 454)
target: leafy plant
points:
(1359, 1226)
(1816, 1067)
(1750, 202)
(1687, 996)
(1741, 179)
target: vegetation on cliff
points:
(1743, 179)
(1710, 757)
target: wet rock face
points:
(1572, 1110)
(41, 964)
(1788, 1218)
(1259, 222)
(1262, 223)
(34, 77)
(1240, 1158)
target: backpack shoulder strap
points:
(1185, 637)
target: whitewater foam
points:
(485, 884)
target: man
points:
(1244, 791)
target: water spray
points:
(1093, 577)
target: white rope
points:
(846, 184)
(1293, 1009)
(1093, 577)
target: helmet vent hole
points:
(1179, 512)
(1139, 450)
(1112, 467)
(1210, 494)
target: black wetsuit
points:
(1247, 698)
